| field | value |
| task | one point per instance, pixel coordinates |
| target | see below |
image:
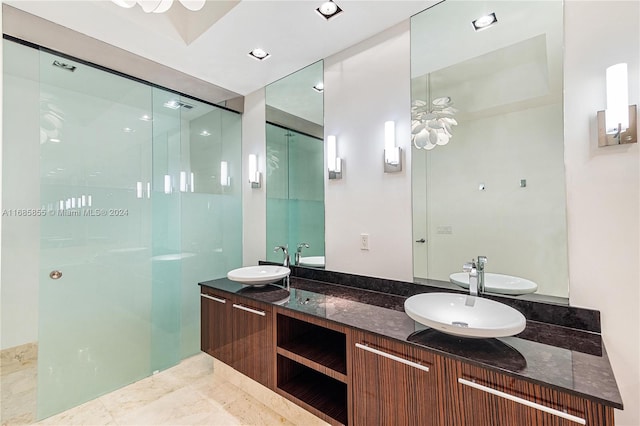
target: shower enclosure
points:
(115, 212)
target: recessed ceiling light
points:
(146, 117)
(205, 133)
(484, 22)
(319, 87)
(54, 140)
(328, 9)
(128, 130)
(259, 54)
(172, 104)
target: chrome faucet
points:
(475, 268)
(296, 260)
(284, 249)
(470, 267)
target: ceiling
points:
(213, 44)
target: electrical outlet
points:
(364, 241)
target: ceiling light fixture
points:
(319, 87)
(205, 133)
(259, 54)
(484, 22)
(328, 10)
(160, 6)
(146, 117)
(128, 130)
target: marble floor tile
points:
(188, 394)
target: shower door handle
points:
(421, 240)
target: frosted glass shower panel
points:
(211, 221)
(295, 191)
(94, 154)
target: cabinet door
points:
(489, 398)
(216, 334)
(253, 347)
(393, 383)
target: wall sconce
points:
(618, 123)
(392, 153)
(254, 174)
(225, 180)
(334, 162)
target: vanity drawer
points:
(485, 397)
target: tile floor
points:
(198, 391)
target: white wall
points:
(254, 200)
(365, 86)
(603, 188)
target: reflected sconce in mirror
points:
(334, 162)
(392, 153)
(618, 123)
(254, 174)
(225, 180)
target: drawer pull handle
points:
(253, 311)
(393, 357)
(523, 401)
(206, 296)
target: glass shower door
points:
(95, 293)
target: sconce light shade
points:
(225, 180)
(254, 174)
(392, 153)
(334, 162)
(617, 124)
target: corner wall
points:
(603, 186)
(365, 86)
(254, 200)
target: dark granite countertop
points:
(567, 359)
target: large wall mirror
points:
(488, 172)
(295, 166)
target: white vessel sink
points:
(464, 315)
(317, 261)
(497, 283)
(258, 275)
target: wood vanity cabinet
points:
(239, 333)
(484, 397)
(394, 383)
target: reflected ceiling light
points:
(205, 133)
(54, 140)
(259, 54)
(128, 130)
(160, 6)
(146, 117)
(328, 10)
(484, 22)
(175, 104)
(319, 87)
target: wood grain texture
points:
(476, 407)
(216, 336)
(253, 349)
(388, 392)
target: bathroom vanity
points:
(352, 356)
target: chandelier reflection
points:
(432, 121)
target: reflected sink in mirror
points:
(260, 275)
(497, 283)
(464, 315)
(315, 261)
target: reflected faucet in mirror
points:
(284, 249)
(299, 253)
(475, 268)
